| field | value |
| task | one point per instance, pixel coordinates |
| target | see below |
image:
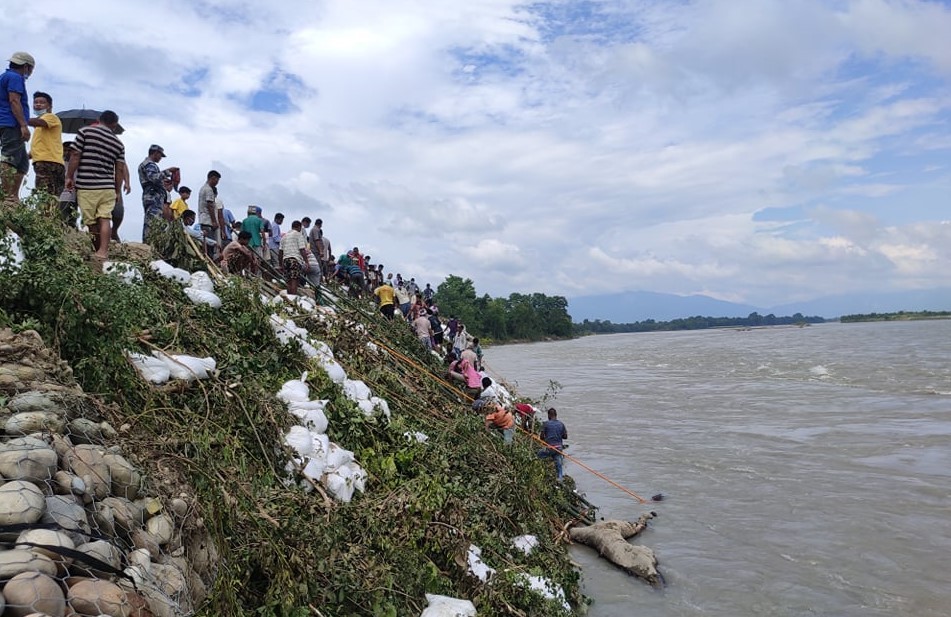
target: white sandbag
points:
(296, 407)
(324, 349)
(200, 296)
(187, 367)
(314, 469)
(340, 483)
(416, 436)
(334, 371)
(338, 457)
(11, 252)
(299, 439)
(444, 606)
(381, 405)
(201, 280)
(294, 390)
(367, 408)
(313, 418)
(526, 544)
(372, 346)
(321, 446)
(168, 271)
(282, 335)
(359, 476)
(127, 272)
(477, 567)
(301, 301)
(309, 350)
(356, 390)
(152, 369)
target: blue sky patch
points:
(190, 84)
(277, 92)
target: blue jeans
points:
(558, 458)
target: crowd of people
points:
(88, 177)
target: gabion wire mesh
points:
(80, 532)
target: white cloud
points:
(534, 151)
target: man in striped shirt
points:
(97, 163)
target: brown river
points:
(807, 471)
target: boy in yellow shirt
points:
(179, 206)
(46, 146)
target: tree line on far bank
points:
(899, 316)
(525, 317)
(536, 316)
(693, 323)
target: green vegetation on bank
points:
(519, 317)
(899, 316)
(692, 323)
(283, 551)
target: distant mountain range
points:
(632, 306)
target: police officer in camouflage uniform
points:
(154, 195)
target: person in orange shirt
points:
(501, 420)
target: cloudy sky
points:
(763, 151)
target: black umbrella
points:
(75, 119)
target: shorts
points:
(13, 149)
(50, 177)
(95, 204)
(292, 269)
(237, 263)
(387, 310)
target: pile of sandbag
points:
(315, 456)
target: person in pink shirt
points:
(473, 378)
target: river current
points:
(807, 471)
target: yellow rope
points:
(530, 434)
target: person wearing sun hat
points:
(14, 127)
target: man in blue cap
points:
(14, 127)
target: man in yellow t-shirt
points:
(178, 207)
(386, 294)
(46, 147)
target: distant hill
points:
(631, 306)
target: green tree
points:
(457, 296)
